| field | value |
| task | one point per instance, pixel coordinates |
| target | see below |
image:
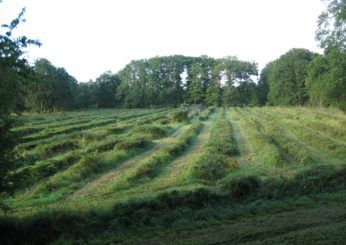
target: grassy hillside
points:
(266, 175)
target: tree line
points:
(298, 77)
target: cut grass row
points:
(100, 140)
(290, 148)
(191, 210)
(77, 118)
(151, 167)
(95, 133)
(313, 137)
(326, 124)
(264, 152)
(136, 138)
(92, 161)
(217, 158)
(173, 175)
(49, 132)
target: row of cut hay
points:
(292, 149)
(315, 139)
(263, 150)
(151, 167)
(206, 113)
(218, 157)
(69, 121)
(92, 164)
(329, 126)
(48, 159)
(134, 140)
(49, 132)
(95, 133)
(29, 120)
(100, 140)
(310, 136)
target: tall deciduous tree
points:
(14, 71)
(213, 93)
(286, 78)
(106, 86)
(53, 90)
(262, 86)
(238, 74)
(331, 25)
(326, 79)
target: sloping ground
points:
(174, 175)
(287, 186)
(96, 187)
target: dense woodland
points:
(298, 77)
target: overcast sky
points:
(89, 37)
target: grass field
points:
(253, 175)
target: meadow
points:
(243, 175)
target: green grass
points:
(270, 175)
(217, 158)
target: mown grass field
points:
(267, 175)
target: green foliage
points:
(331, 25)
(213, 94)
(155, 82)
(239, 87)
(326, 79)
(53, 89)
(263, 87)
(286, 78)
(14, 72)
(106, 84)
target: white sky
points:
(90, 37)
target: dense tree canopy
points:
(160, 81)
(53, 89)
(326, 80)
(286, 78)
